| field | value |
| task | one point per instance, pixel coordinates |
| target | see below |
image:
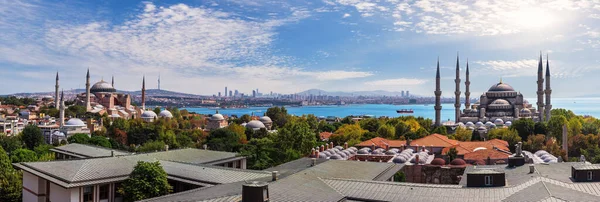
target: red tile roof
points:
(483, 154)
(381, 143)
(325, 135)
(468, 147)
(435, 140)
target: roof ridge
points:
(399, 183)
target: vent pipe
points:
(274, 176)
(255, 192)
(314, 162)
(531, 168)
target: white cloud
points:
(346, 15)
(528, 68)
(397, 82)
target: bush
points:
(32, 136)
(23, 155)
(147, 180)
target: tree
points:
(568, 114)
(43, 149)
(240, 131)
(245, 118)
(350, 133)
(10, 180)
(157, 110)
(590, 127)
(440, 130)
(223, 140)
(452, 154)
(147, 180)
(508, 135)
(401, 130)
(327, 128)
(535, 143)
(524, 127)
(462, 134)
(555, 126)
(541, 128)
(23, 155)
(297, 136)
(399, 177)
(10, 143)
(370, 124)
(100, 141)
(574, 127)
(32, 136)
(259, 152)
(278, 115)
(386, 131)
(152, 146)
(79, 138)
(413, 124)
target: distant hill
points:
(356, 93)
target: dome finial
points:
(500, 79)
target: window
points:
(103, 193)
(88, 193)
(488, 180)
(590, 175)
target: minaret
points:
(112, 81)
(540, 90)
(438, 93)
(88, 105)
(62, 109)
(56, 101)
(548, 90)
(467, 93)
(144, 93)
(158, 81)
(457, 93)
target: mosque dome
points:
(363, 151)
(254, 124)
(322, 156)
(438, 161)
(336, 156)
(102, 87)
(458, 162)
(75, 122)
(500, 102)
(525, 111)
(165, 114)
(149, 114)
(525, 101)
(265, 119)
(501, 87)
(499, 122)
(469, 124)
(508, 123)
(217, 117)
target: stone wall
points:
(432, 174)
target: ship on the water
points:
(405, 111)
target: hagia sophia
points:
(499, 106)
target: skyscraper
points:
(230, 93)
(225, 91)
(402, 93)
(158, 81)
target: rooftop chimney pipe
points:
(274, 176)
(255, 192)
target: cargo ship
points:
(405, 111)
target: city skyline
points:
(289, 47)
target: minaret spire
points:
(438, 93)
(457, 92)
(548, 90)
(158, 81)
(112, 81)
(467, 92)
(62, 109)
(540, 90)
(144, 93)
(88, 104)
(56, 101)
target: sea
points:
(581, 106)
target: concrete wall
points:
(34, 188)
(58, 193)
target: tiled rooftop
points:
(87, 151)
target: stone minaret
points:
(56, 101)
(62, 109)
(540, 90)
(112, 83)
(467, 92)
(548, 90)
(144, 93)
(88, 105)
(158, 81)
(438, 93)
(457, 93)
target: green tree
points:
(568, 114)
(10, 180)
(541, 128)
(76, 111)
(327, 128)
(152, 146)
(525, 127)
(555, 126)
(401, 130)
(278, 115)
(80, 138)
(590, 127)
(452, 154)
(440, 130)
(157, 110)
(170, 139)
(23, 155)
(370, 124)
(223, 140)
(245, 118)
(399, 177)
(11, 143)
(43, 149)
(535, 143)
(386, 131)
(239, 130)
(508, 135)
(100, 141)
(350, 133)
(462, 134)
(297, 135)
(574, 127)
(368, 136)
(32, 136)
(147, 180)
(260, 153)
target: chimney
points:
(322, 148)
(326, 146)
(417, 159)
(312, 152)
(255, 192)
(331, 145)
(345, 145)
(166, 147)
(274, 176)
(112, 153)
(372, 146)
(314, 162)
(205, 147)
(317, 154)
(531, 168)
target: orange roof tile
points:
(325, 135)
(381, 143)
(435, 140)
(485, 153)
(468, 147)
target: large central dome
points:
(501, 87)
(102, 87)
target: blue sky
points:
(290, 46)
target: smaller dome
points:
(525, 101)
(438, 161)
(478, 124)
(217, 117)
(165, 114)
(391, 152)
(339, 148)
(479, 162)
(377, 152)
(366, 148)
(336, 157)
(500, 102)
(322, 156)
(75, 122)
(399, 159)
(469, 124)
(458, 162)
(149, 114)
(363, 151)
(525, 111)
(254, 124)
(265, 119)
(353, 148)
(508, 123)
(499, 122)
(342, 154)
